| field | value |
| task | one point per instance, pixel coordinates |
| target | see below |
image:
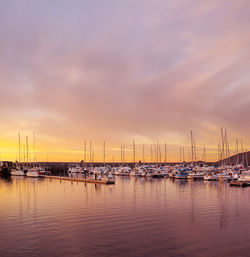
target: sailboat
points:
(18, 171)
(32, 172)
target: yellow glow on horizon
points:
(9, 151)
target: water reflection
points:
(134, 217)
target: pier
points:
(104, 182)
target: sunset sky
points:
(148, 70)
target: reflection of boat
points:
(157, 174)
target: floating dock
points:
(104, 182)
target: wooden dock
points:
(104, 182)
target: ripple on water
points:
(135, 217)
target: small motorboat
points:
(32, 173)
(196, 176)
(181, 175)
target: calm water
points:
(134, 217)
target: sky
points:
(143, 70)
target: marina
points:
(125, 128)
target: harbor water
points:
(134, 217)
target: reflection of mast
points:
(192, 204)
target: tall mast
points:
(34, 147)
(24, 153)
(180, 153)
(242, 148)
(104, 146)
(151, 153)
(226, 146)
(237, 150)
(19, 147)
(192, 146)
(165, 153)
(134, 150)
(219, 152)
(157, 152)
(246, 158)
(143, 154)
(195, 152)
(90, 151)
(121, 155)
(27, 149)
(85, 152)
(222, 146)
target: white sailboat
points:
(18, 171)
